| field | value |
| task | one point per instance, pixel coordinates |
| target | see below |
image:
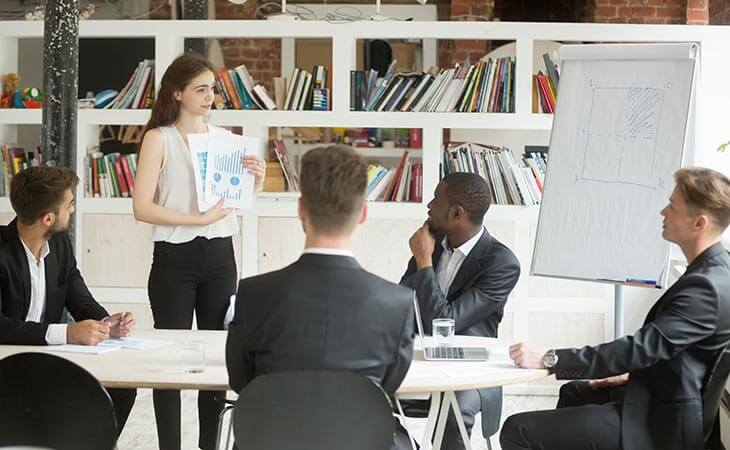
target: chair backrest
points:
(323, 410)
(48, 401)
(712, 390)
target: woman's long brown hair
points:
(178, 75)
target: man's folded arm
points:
(19, 332)
(486, 297)
(690, 317)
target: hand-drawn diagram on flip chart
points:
(620, 136)
(619, 133)
(219, 173)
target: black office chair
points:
(48, 401)
(712, 391)
(323, 410)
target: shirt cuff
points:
(56, 334)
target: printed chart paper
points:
(219, 173)
(226, 176)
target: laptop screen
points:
(419, 324)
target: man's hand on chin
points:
(120, 324)
(422, 245)
(87, 332)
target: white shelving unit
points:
(708, 132)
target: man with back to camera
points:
(460, 271)
(325, 311)
(39, 277)
(645, 390)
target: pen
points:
(113, 323)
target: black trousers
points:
(198, 276)
(584, 419)
(123, 400)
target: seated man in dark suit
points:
(39, 277)
(324, 311)
(645, 389)
(460, 271)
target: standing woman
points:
(193, 266)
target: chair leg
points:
(221, 418)
(489, 443)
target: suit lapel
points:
(51, 263)
(21, 261)
(470, 266)
(701, 258)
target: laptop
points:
(447, 353)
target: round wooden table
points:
(440, 379)
(162, 368)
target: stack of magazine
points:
(486, 86)
(138, 92)
(512, 182)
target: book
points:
(552, 70)
(290, 172)
(416, 187)
(291, 88)
(306, 90)
(279, 92)
(264, 97)
(511, 181)
(320, 99)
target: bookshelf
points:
(272, 232)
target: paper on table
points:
(137, 344)
(226, 177)
(89, 349)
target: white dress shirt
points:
(56, 333)
(329, 251)
(452, 259)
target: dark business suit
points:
(65, 288)
(321, 312)
(660, 408)
(475, 301)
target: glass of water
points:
(443, 331)
(193, 355)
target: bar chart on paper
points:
(227, 172)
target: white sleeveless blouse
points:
(176, 190)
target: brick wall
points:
(263, 56)
(719, 12)
(641, 11)
(453, 51)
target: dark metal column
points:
(196, 10)
(60, 82)
(60, 90)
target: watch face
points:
(549, 359)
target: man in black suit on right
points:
(645, 391)
(325, 311)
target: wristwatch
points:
(549, 360)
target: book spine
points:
(416, 191)
(120, 178)
(94, 176)
(127, 174)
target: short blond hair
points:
(706, 191)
